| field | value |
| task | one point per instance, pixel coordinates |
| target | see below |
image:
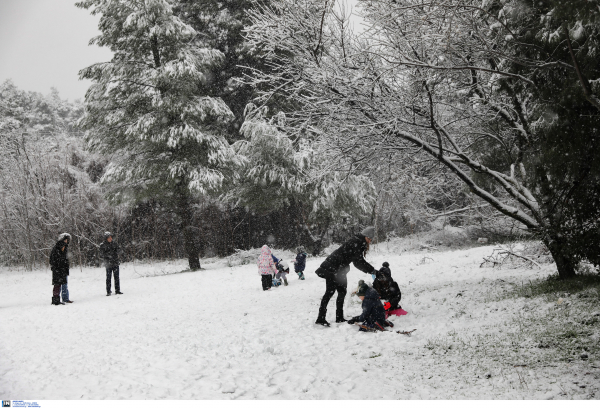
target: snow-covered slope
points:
(214, 334)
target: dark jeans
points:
(267, 281)
(336, 282)
(110, 270)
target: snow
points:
(214, 334)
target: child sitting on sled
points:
(388, 290)
(373, 313)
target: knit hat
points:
(387, 265)
(300, 249)
(369, 232)
(107, 234)
(362, 288)
(64, 235)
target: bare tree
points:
(427, 80)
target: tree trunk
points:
(565, 263)
(184, 210)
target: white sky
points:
(44, 43)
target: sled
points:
(395, 312)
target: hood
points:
(371, 294)
(265, 251)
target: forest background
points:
(224, 125)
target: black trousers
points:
(336, 282)
(112, 270)
(267, 281)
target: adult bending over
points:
(335, 268)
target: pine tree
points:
(149, 109)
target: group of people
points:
(272, 270)
(334, 270)
(59, 265)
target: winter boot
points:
(285, 281)
(118, 292)
(108, 293)
(301, 275)
(56, 300)
(339, 317)
(321, 318)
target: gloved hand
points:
(387, 305)
(353, 320)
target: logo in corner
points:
(5, 404)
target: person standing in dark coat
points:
(59, 265)
(109, 251)
(300, 262)
(335, 268)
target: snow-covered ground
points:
(214, 334)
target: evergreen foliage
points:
(150, 108)
(280, 174)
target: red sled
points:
(395, 312)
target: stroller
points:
(276, 282)
(283, 269)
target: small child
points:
(266, 267)
(300, 262)
(373, 313)
(388, 289)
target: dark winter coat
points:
(109, 252)
(300, 263)
(59, 263)
(388, 289)
(372, 309)
(351, 251)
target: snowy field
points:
(214, 334)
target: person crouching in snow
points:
(59, 264)
(300, 262)
(387, 288)
(282, 270)
(373, 314)
(266, 267)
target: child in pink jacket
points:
(266, 267)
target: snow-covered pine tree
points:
(149, 110)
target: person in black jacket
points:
(109, 251)
(300, 262)
(59, 265)
(335, 268)
(373, 314)
(387, 288)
